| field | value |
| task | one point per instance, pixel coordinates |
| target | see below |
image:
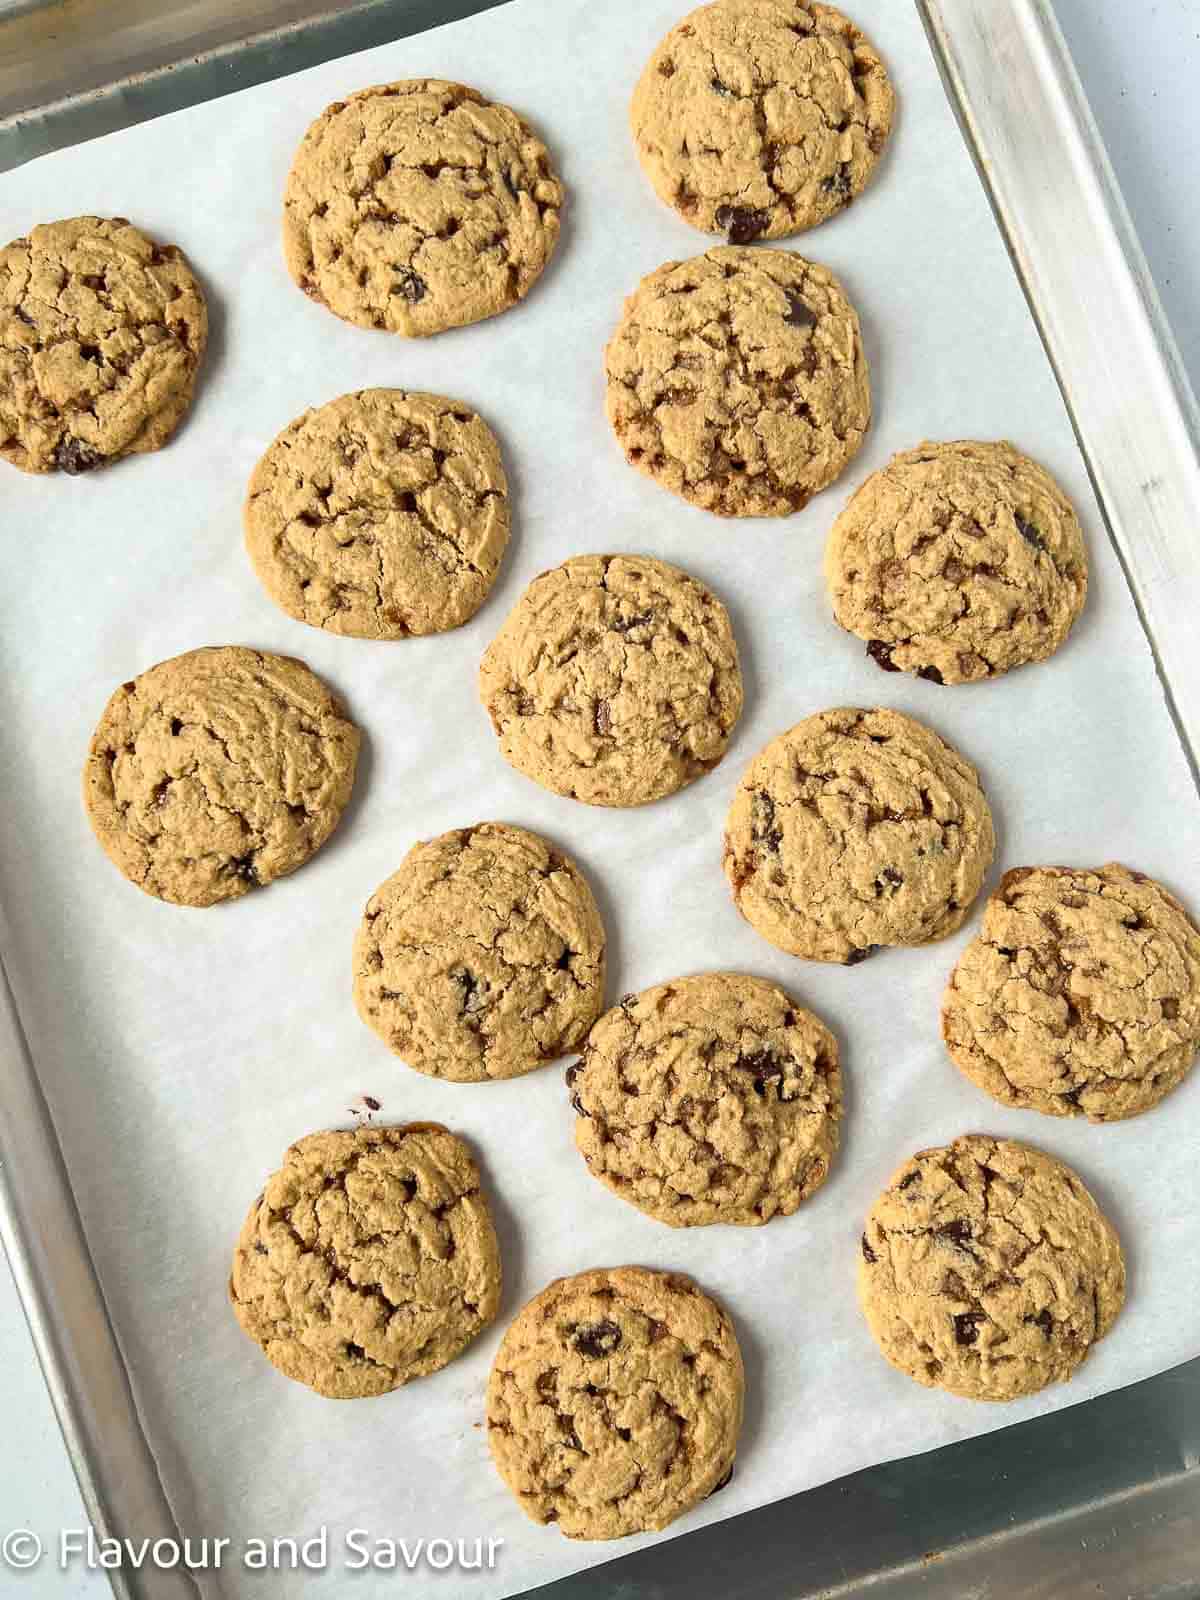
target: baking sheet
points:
(182, 1051)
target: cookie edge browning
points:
(295, 244)
(100, 810)
(615, 1278)
(492, 1264)
(490, 674)
(979, 1070)
(1108, 1306)
(588, 900)
(833, 1119)
(858, 953)
(860, 44)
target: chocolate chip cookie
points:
(738, 380)
(382, 514)
(419, 206)
(482, 957)
(369, 1259)
(101, 334)
(217, 772)
(759, 118)
(1080, 996)
(615, 680)
(615, 1402)
(709, 1099)
(856, 829)
(987, 1269)
(957, 562)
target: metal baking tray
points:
(1102, 1499)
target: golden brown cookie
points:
(759, 118)
(615, 1402)
(738, 380)
(1080, 996)
(987, 1269)
(482, 957)
(957, 562)
(856, 829)
(369, 1258)
(218, 771)
(709, 1099)
(615, 680)
(382, 514)
(101, 334)
(419, 206)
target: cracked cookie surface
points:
(482, 957)
(369, 1259)
(987, 1269)
(101, 335)
(1080, 996)
(218, 771)
(614, 680)
(382, 514)
(958, 562)
(419, 206)
(615, 1402)
(856, 829)
(738, 381)
(714, 1098)
(759, 118)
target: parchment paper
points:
(181, 1051)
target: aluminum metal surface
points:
(1100, 1500)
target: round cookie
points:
(987, 1269)
(382, 514)
(738, 381)
(856, 829)
(369, 1259)
(759, 118)
(709, 1099)
(614, 680)
(615, 1402)
(1080, 996)
(419, 206)
(482, 957)
(218, 771)
(958, 562)
(101, 335)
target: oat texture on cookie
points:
(382, 514)
(369, 1259)
(759, 118)
(986, 1268)
(856, 829)
(419, 206)
(217, 772)
(101, 334)
(957, 562)
(615, 680)
(615, 1402)
(482, 957)
(1080, 996)
(713, 1098)
(738, 380)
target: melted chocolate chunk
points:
(855, 956)
(1030, 534)
(966, 1326)
(868, 1254)
(597, 1339)
(798, 314)
(742, 223)
(409, 284)
(74, 457)
(881, 655)
(930, 673)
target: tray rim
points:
(76, 1343)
